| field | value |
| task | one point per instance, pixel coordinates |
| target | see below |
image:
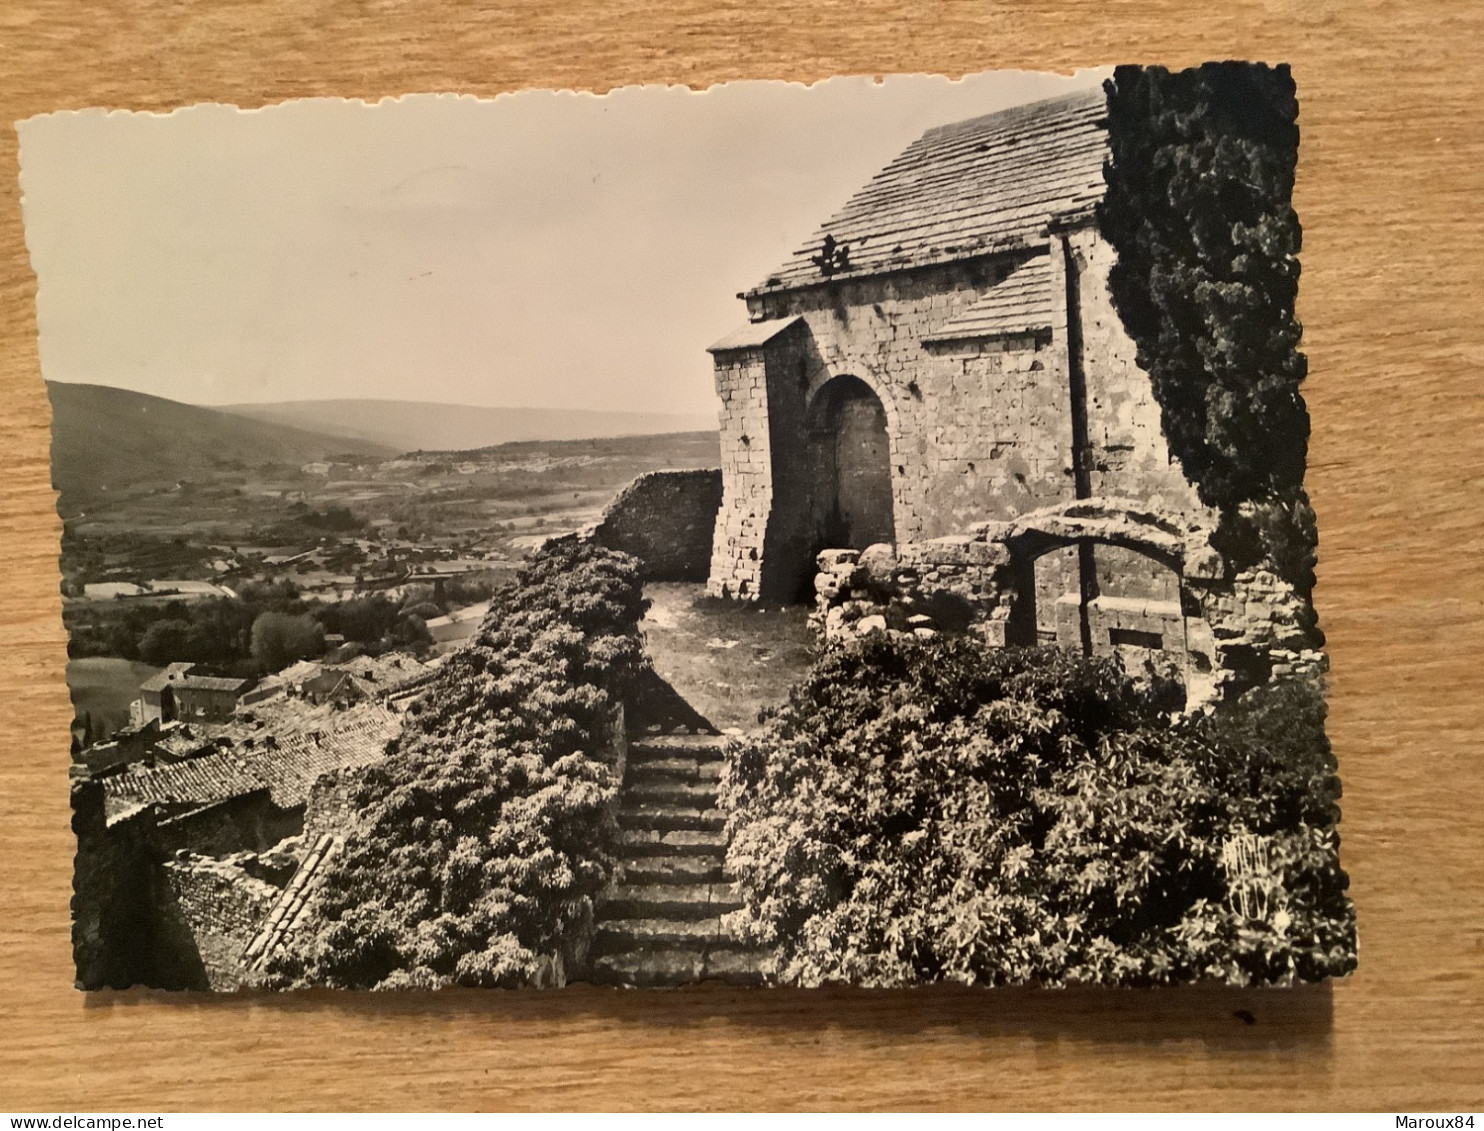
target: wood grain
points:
(1391, 190)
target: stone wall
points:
(221, 906)
(736, 568)
(1263, 627)
(1218, 632)
(1128, 456)
(114, 930)
(149, 908)
(330, 809)
(978, 429)
(247, 821)
(667, 520)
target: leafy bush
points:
(941, 810)
(486, 834)
(219, 631)
(278, 639)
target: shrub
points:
(363, 619)
(165, 641)
(278, 639)
(941, 810)
(487, 832)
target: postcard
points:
(778, 535)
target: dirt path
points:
(727, 659)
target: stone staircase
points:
(293, 906)
(661, 925)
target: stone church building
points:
(939, 372)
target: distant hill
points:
(418, 425)
(110, 440)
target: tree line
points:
(267, 627)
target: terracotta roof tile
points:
(213, 777)
(357, 737)
(287, 767)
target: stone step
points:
(678, 966)
(635, 814)
(673, 769)
(670, 842)
(697, 869)
(681, 741)
(616, 936)
(668, 791)
(693, 748)
(671, 901)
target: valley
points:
(182, 524)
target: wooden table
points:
(1391, 185)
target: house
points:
(387, 678)
(179, 692)
(936, 389)
(186, 590)
(155, 701)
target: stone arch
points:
(823, 373)
(1116, 522)
(849, 436)
(1116, 574)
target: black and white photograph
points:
(772, 535)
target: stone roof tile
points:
(972, 188)
(753, 334)
(1019, 303)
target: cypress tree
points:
(1199, 209)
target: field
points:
(330, 525)
(156, 493)
(103, 687)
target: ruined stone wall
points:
(1219, 633)
(114, 932)
(667, 519)
(222, 907)
(248, 821)
(142, 916)
(1264, 627)
(330, 808)
(954, 583)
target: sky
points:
(543, 249)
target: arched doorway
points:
(1100, 596)
(852, 461)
